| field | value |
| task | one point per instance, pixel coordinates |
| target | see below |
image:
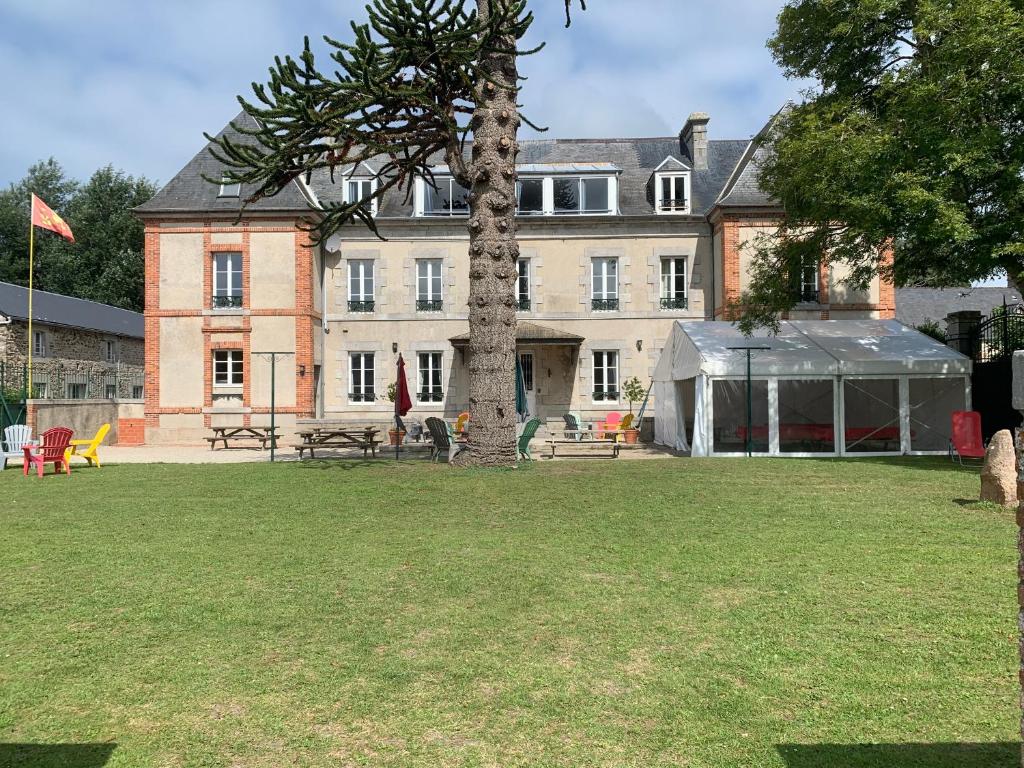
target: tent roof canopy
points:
(806, 348)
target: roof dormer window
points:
(442, 197)
(361, 188)
(673, 192)
(229, 188)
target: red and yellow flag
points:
(44, 217)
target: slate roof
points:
(189, 192)
(742, 189)
(636, 158)
(56, 309)
(917, 306)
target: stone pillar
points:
(1018, 403)
(959, 329)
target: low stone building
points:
(81, 350)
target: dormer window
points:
(581, 194)
(558, 189)
(530, 197)
(360, 188)
(229, 188)
(673, 190)
(445, 197)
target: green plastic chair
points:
(524, 439)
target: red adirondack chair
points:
(52, 444)
(966, 440)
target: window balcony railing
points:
(607, 396)
(807, 295)
(670, 206)
(429, 305)
(604, 305)
(674, 302)
(362, 397)
(435, 396)
(524, 304)
(227, 302)
(360, 306)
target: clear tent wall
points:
(823, 388)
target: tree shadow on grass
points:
(55, 755)
(943, 755)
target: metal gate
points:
(12, 396)
(993, 343)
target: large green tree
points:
(418, 78)
(105, 263)
(912, 137)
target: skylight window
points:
(229, 188)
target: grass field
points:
(715, 613)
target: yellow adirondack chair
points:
(87, 449)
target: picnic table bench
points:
(581, 437)
(262, 435)
(332, 437)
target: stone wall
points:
(85, 417)
(73, 356)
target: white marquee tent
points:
(822, 388)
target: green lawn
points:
(633, 613)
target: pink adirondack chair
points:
(52, 444)
(611, 422)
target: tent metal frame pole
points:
(750, 395)
(273, 396)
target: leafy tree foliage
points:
(106, 261)
(912, 139)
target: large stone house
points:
(81, 350)
(619, 237)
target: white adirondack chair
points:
(15, 438)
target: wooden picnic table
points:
(579, 437)
(338, 437)
(262, 435)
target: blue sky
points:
(135, 83)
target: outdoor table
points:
(262, 435)
(337, 437)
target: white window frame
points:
(425, 275)
(422, 186)
(605, 368)
(524, 271)
(361, 180)
(358, 394)
(234, 370)
(367, 275)
(40, 344)
(811, 265)
(545, 190)
(668, 291)
(604, 294)
(72, 388)
(230, 290)
(581, 195)
(674, 179)
(110, 350)
(435, 362)
(229, 188)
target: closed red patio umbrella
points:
(403, 403)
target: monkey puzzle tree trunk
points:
(493, 256)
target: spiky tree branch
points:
(401, 93)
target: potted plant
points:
(634, 392)
(395, 435)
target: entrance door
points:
(526, 361)
(317, 394)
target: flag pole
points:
(31, 259)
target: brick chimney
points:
(694, 139)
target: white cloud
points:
(136, 84)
